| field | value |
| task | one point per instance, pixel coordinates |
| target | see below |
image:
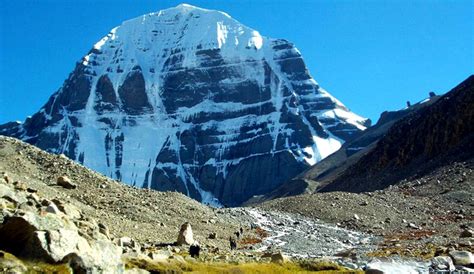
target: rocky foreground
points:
(421, 217)
(59, 216)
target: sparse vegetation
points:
(233, 268)
(425, 252)
(252, 240)
(9, 263)
(249, 240)
(262, 233)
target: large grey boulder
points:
(9, 194)
(462, 257)
(185, 236)
(55, 238)
(442, 263)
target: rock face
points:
(431, 137)
(191, 100)
(323, 172)
(51, 235)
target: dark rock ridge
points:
(191, 100)
(417, 144)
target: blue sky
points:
(371, 55)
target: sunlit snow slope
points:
(191, 100)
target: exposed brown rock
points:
(65, 182)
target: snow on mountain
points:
(189, 99)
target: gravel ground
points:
(413, 218)
(302, 237)
(417, 218)
(155, 217)
(144, 215)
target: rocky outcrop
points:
(57, 234)
(417, 144)
(220, 116)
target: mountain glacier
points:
(190, 100)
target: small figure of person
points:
(233, 243)
(194, 250)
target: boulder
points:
(104, 230)
(8, 193)
(128, 245)
(136, 271)
(462, 257)
(464, 242)
(20, 186)
(65, 182)
(464, 269)
(52, 208)
(6, 179)
(279, 258)
(55, 238)
(33, 197)
(185, 235)
(442, 263)
(68, 209)
(212, 235)
(467, 233)
(374, 271)
(160, 255)
(3, 204)
(126, 242)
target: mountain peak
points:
(183, 27)
(188, 7)
(191, 100)
(185, 8)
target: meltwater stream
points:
(297, 236)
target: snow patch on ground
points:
(399, 266)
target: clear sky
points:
(371, 55)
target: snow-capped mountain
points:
(191, 100)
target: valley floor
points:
(416, 220)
